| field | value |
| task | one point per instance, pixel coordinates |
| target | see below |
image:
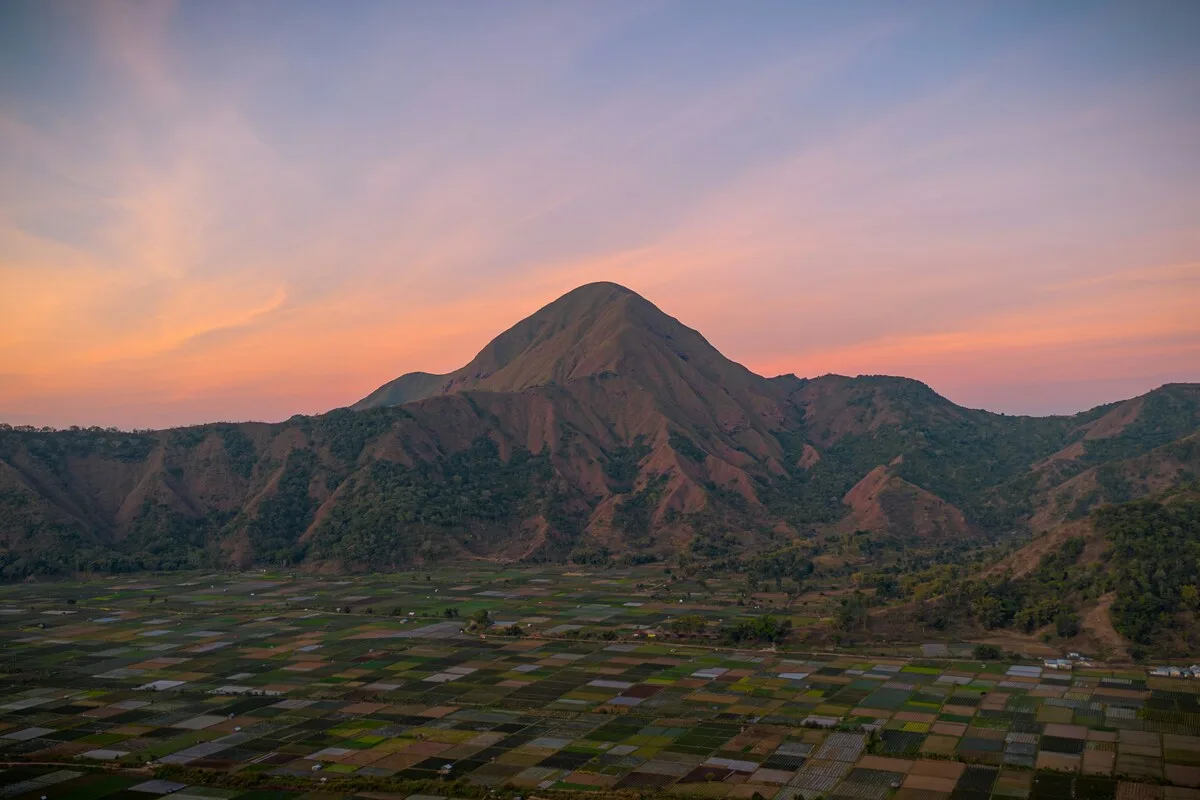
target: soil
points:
(1097, 624)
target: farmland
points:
(535, 680)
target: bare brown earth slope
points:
(598, 427)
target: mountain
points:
(603, 332)
(598, 428)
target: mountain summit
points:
(554, 345)
(597, 428)
(613, 352)
(598, 330)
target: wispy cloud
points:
(215, 211)
(133, 37)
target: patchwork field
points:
(269, 685)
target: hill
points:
(598, 428)
(1122, 581)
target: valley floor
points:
(259, 685)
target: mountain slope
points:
(882, 502)
(599, 426)
(1122, 577)
(1159, 470)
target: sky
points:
(221, 210)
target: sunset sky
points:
(222, 210)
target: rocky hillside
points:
(597, 428)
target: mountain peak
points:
(599, 290)
(594, 330)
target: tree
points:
(760, 629)
(887, 588)
(987, 652)
(853, 612)
(989, 611)
(688, 625)
(1067, 624)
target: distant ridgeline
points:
(602, 430)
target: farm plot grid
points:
(148, 686)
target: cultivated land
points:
(256, 685)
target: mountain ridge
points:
(597, 425)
